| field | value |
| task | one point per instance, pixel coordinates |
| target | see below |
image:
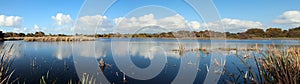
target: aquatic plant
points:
(270, 66)
(88, 79)
(281, 66)
(6, 61)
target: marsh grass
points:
(281, 66)
(247, 73)
(274, 65)
(6, 61)
(88, 79)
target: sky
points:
(132, 16)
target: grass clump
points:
(6, 61)
(281, 66)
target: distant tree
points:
(255, 32)
(231, 35)
(8, 34)
(22, 34)
(39, 34)
(62, 35)
(284, 33)
(30, 35)
(1, 36)
(243, 36)
(295, 32)
(273, 32)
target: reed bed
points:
(55, 39)
(281, 66)
(275, 65)
(6, 62)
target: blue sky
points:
(39, 13)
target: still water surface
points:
(57, 60)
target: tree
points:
(30, 35)
(255, 32)
(243, 36)
(22, 34)
(8, 34)
(295, 32)
(39, 34)
(273, 32)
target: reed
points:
(88, 79)
(270, 66)
(281, 66)
(6, 61)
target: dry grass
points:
(281, 66)
(5, 63)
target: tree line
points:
(251, 33)
(36, 34)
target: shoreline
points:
(84, 38)
(210, 38)
(50, 39)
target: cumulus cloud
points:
(10, 21)
(288, 17)
(20, 30)
(62, 19)
(134, 22)
(194, 24)
(92, 24)
(174, 22)
(232, 25)
(33, 29)
(36, 27)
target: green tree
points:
(295, 32)
(273, 32)
(39, 34)
(255, 32)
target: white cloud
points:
(36, 27)
(174, 22)
(92, 24)
(10, 21)
(194, 24)
(288, 17)
(20, 30)
(61, 19)
(232, 25)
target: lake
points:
(144, 61)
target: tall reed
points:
(281, 66)
(6, 62)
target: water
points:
(61, 62)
